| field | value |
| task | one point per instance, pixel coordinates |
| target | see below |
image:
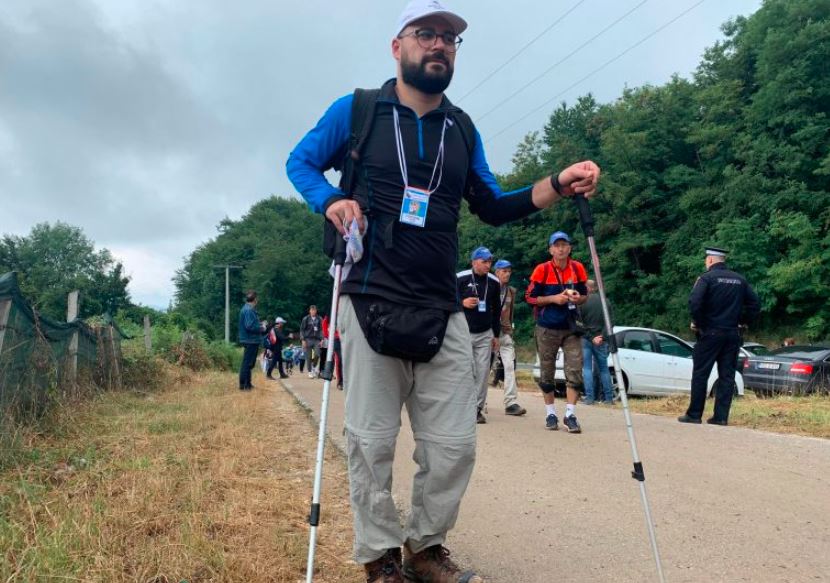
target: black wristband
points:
(554, 182)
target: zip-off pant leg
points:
(507, 353)
(440, 399)
(482, 343)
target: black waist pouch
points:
(409, 332)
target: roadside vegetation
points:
(195, 482)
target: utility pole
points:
(227, 269)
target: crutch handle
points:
(585, 216)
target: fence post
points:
(72, 315)
(115, 353)
(148, 340)
(5, 310)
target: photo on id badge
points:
(414, 206)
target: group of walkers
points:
(568, 316)
(278, 353)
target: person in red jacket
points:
(556, 288)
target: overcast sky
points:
(145, 122)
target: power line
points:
(597, 70)
(520, 51)
(559, 62)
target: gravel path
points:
(730, 504)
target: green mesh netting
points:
(41, 358)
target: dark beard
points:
(417, 75)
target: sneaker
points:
(551, 422)
(480, 418)
(688, 419)
(386, 569)
(283, 376)
(572, 425)
(311, 375)
(433, 565)
(515, 409)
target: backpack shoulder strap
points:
(363, 110)
(468, 129)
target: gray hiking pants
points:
(440, 399)
(482, 343)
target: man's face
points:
(481, 266)
(504, 275)
(560, 250)
(312, 312)
(428, 69)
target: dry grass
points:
(798, 415)
(197, 483)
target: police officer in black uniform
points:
(720, 302)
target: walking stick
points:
(587, 222)
(314, 514)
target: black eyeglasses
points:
(426, 38)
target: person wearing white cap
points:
(721, 302)
(409, 157)
(276, 339)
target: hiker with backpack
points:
(408, 157)
(276, 338)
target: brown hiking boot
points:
(386, 569)
(433, 565)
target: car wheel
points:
(615, 387)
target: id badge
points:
(414, 206)
(482, 306)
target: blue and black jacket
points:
(403, 263)
(250, 329)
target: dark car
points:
(795, 370)
(750, 349)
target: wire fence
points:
(41, 359)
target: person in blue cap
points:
(507, 352)
(557, 287)
(478, 290)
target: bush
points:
(142, 371)
(224, 356)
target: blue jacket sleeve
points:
(316, 153)
(486, 197)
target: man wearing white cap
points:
(720, 302)
(409, 157)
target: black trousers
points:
(721, 347)
(276, 359)
(248, 362)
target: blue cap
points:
(503, 264)
(481, 253)
(557, 236)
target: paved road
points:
(730, 504)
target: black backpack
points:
(363, 116)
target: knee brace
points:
(547, 387)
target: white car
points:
(653, 363)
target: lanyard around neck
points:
(486, 285)
(439, 158)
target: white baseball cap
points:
(279, 321)
(418, 9)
